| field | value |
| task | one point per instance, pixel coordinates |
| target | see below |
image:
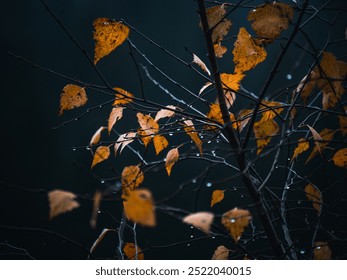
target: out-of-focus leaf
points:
(132, 177)
(264, 131)
(340, 158)
(231, 81)
(236, 220)
(219, 50)
(221, 253)
(61, 202)
(96, 204)
(129, 250)
(313, 194)
(200, 220)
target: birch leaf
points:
(270, 109)
(321, 251)
(164, 113)
(264, 131)
(326, 135)
(102, 153)
(115, 115)
(61, 202)
(160, 143)
(96, 137)
(96, 204)
(236, 220)
(171, 158)
(122, 97)
(313, 194)
(147, 123)
(303, 145)
(340, 158)
(221, 253)
(124, 140)
(132, 177)
(231, 81)
(73, 96)
(201, 64)
(190, 130)
(219, 50)
(217, 196)
(200, 220)
(129, 250)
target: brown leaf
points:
(313, 194)
(201, 64)
(124, 140)
(171, 158)
(129, 250)
(200, 220)
(343, 122)
(96, 204)
(247, 54)
(326, 135)
(122, 97)
(164, 113)
(264, 130)
(231, 81)
(270, 109)
(115, 115)
(102, 153)
(243, 118)
(205, 87)
(340, 158)
(147, 123)
(132, 177)
(221, 253)
(108, 35)
(144, 137)
(321, 251)
(236, 220)
(217, 196)
(303, 145)
(160, 143)
(61, 202)
(306, 86)
(96, 137)
(138, 207)
(190, 130)
(73, 96)
(269, 20)
(219, 50)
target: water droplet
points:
(318, 247)
(217, 141)
(178, 129)
(209, 142)
(188, 245)
(88, 148)
(100, 106)
(213, 237)
(208, 184)
(232, 220)
(287, 188)
(194, 182)
(299, 202)
(241, 195)
(289, 76)
(73, 149)
(302, 251)
(213, 153)
(118, 184)
(170, 134)
(234, 188)
(276, 166)
(99, 212)
(191, 227)
(102, 181)
(197, 154)
(288, 159)
(192, 236)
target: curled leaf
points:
(124, 140)
(102, 153)
(61, 202)
(122, 97)
(165, 113)
(132, 252)
(201, 64)
(73, 96)
(303, 145)
(205, 87)
(217, 196)
(340, 158)
(221, 253)
(321, 140)
(115, 115)
(102, 235)
(236, 220)
(132, 177)
(313, 194)
(96, 137)
(200, 220)
(243, 118)
(264, 131)
(171, 158)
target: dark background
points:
(36, 158)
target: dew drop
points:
(289, 76)
(197, 154)
(73, 149)
(241, 195)
(194, 182)
(234, 188)
(213, 237)
(209, 142)
(232, 220)
(178, 129)
(302, 251)
(318, 247)
(191, 227)
(208, 184)
(299, 202)
(102, 181)
(170, 134)
(188, 245)
(87, 148)
(213, 153)
(287, 188)
(99, 212)
(192, 236)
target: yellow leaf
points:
(160, 143)
(326, 135)
(129, 250)
(61, 202)
(132, 177)
(138, 207)
(200, 220)
(269, 20)
(264, 130)
(243, 118)
(102, 153)
(270, 109)
(124, 140)
(190, 130)
(96, 137)
(148, 124)
(236, 220)
(231, 81)
(247, 54)
(122, 97)
(115, 115)
(313, 194)
(96, 204)
(303, 145)
(108, 35)
(217, 196)
(306, 86)
(171, 158)
(73, 96)
(343, 122)
(340, 158)
(321, 251)
(201, 64)
(165, 113)
(221, 253)
(144, 137)
(219, 50)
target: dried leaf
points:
(122, 97)
(316, 137)
(340, 158)
(305, 87)
(160, 143)
(129, 250)
(164, 113)
(61, 202)
(115, 115)
(73, 96)
(269, 20)
(326, 135)
(303, 145)
(96, 204)
(247, 54)
(124, 140)
(216, 114)
(132, 177)
(313, 194)
(321, 251)
(219, 50)
(270, 109)
(147, 123)
(217, 196)
(100, 238)
(343, 122)
(201, 64)
(205, 87)
(231, 81)
(144, 137)
(108, 35)
(236, 220)
(102, 153)
(171, 158)
(190, 130)
(264, 130)
(243, 118)
(221, 253)
(138, 207)
(230, 97)
(200, 220)
(96, 137)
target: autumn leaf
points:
(73, 96)
(264, 130)
(247, 54)
(96, 204)
(217, 196)
(326, 135)
(138, 207)
(129, 250)
(96, 137)
(231, 81)
(147, 123)
(108, 35)
(221, 253)
(146, 139)
(340, 158)
(236, 220)
(165, 113)
(313, 194)
(124, 140)
(171, 158)
(115, 115)
(216, 114)
(269, 20)
(343, 122)
(200, 220)
(160, 143)
(321, 251)
(243, 118)
(132, 177)
(219, 50)
(190, 130)
(306, 86)
(61, 202)
(303, 145)
(102, 153)
(270, 109)
(122, 97)
(201, 64)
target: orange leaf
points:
(132, 177)
(236, 220)
(129, 250)
(313, 194)
(217, 196)
(321, 251)
(190, 130)
(243, 118)
(303, 145)
(326, 135)
(96, 204)
(231, 81)
(340, 158)
(171, 158)
(148, 124)
(124, 140)
(73, 96)
(138, 207)
(201, 64)
(343, 122)
(164, 113)
(108, 35)
(122, 97)
(61, 202)
(96, 137)
(160, 143)
(200, 220)
(144, 137)
(270, 109)
(115, 115)
(221, 253)
(264, 130)
(219, 50)
(305, 86)
(102, 153)
(269, 20)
